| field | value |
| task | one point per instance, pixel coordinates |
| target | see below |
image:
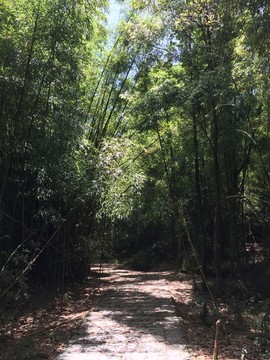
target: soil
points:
(40, 325)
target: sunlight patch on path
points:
(133, 320)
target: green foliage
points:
(159, 142)
(119, 179)
(203, 100)
(142, 260)
(45, 53)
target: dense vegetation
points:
(152, 145)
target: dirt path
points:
(134, 318)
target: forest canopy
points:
(151, 144)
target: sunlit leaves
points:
(120, 178)
(47, 52)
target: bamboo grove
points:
(152, 143)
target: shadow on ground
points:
(44, 325)
(40, 326)
(134, 315)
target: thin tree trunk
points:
(202, 236)
(217, 218)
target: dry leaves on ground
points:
(40, 327)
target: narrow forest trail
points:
(134, 318)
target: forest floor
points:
(41, 325)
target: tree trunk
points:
(202, 235)
(217, 218)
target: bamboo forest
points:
(146, 144)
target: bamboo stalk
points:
(215, 356)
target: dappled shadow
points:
(41, 326)
(140, 311)
(139, 277)
(134, 306)
(134, 315)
